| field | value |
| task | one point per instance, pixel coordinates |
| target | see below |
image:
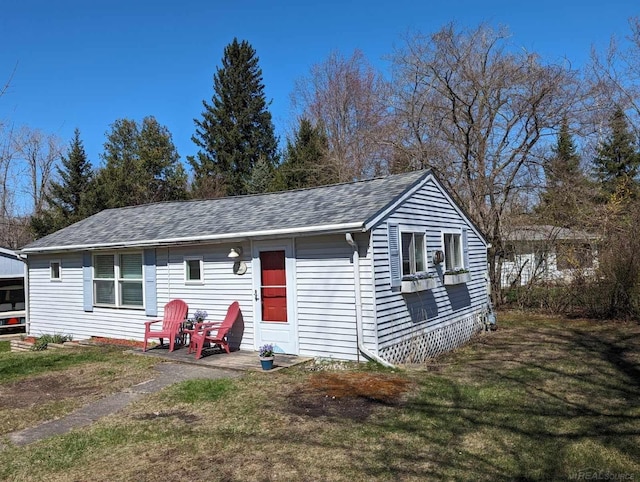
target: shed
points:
(389, 268)
(12, 294)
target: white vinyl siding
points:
(219, 286)
(402, 316)
(58, 308)
(326, 296)
(65, 299)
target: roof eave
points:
(300, 231)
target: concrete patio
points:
(242, 360)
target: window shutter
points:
(465, 248)
(87, 282)
(150, 292)
(394, 255)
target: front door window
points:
(273, 286)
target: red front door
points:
(273, 286)
(273, 270)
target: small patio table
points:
(187, 329)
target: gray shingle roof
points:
(309, 210)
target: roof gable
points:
(382, 214)
(338, 207)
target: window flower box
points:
(414, 284)
(457, 278)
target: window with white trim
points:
(413, 253)
(55, 270)
(193, 270)
(453, 255)
(118, 280)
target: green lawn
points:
(539, 399)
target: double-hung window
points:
(453, 254)
(413, 257)
(118, 280)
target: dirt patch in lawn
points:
(83, 382)
(42, 389)
(350, 395)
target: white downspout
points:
(357, 286)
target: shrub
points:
(43, 341)
(544, 297)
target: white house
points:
(543, 253)
(344, 271)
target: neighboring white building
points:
(319, 273)
(12, 294)
(545, 253)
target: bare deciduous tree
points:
(347, 98)
(13, 229)
(7, 155)
(476, 112)
(615, 76)
(5, 86)
(39, 153)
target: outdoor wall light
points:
(239, 267)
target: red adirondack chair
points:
(175, 312)
(214, 332)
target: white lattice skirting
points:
(426, 345)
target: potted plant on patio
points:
(265, 352)
(200, 315)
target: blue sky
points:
(86, 63)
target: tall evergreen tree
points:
(163, 175)
(261, 179)
(66, 199)
(617, 161)
(236, 129)
(305, 160)
(141, 165)
(564, 165)
(118, 177)
(566, 184)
